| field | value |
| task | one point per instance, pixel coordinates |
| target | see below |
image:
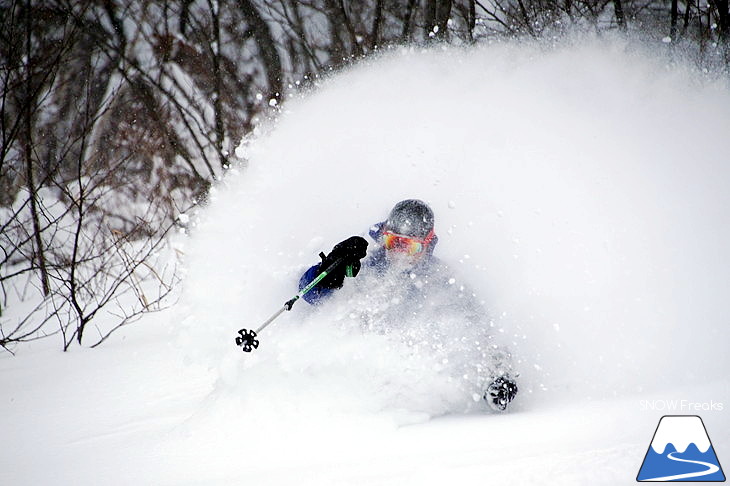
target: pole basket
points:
(247, 340)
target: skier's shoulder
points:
(376, 231)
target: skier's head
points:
(408, 231)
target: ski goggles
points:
(406, 244)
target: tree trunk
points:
(723, 17)
(526, 18)
(437, 19)
(29, 101)
(267, 47)
(341, 13)
(406, 33)
(620, 18)
(686, 17)
(375, 32)
(217, 86)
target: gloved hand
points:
(502, 391)
(351, 250)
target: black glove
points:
(350, 251)
(500, 393)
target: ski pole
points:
(247, 339)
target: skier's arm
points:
(318, 293)
(350, 251)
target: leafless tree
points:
(71, 210)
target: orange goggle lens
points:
(404, 244)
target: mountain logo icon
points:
(681, 451)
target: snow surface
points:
(579, 190)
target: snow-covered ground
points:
(580, 191)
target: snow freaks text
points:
(680, 406)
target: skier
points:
(413, 279)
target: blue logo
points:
(681, 451)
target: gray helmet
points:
(411, 217)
